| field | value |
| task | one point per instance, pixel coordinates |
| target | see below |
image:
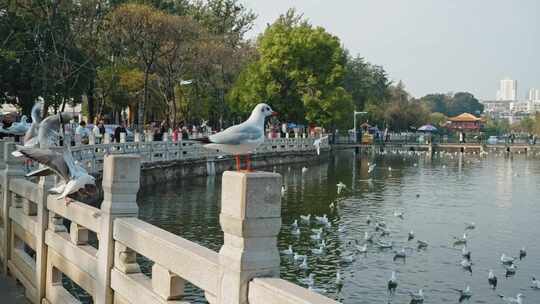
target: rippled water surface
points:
(437, 196)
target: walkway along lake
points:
(437, 195)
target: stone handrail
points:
(91, 156)
(97, 250)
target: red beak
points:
(274, 113)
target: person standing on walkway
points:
(120, 129)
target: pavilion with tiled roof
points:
(465, 122)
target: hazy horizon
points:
(432, 46)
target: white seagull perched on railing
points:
(241, 139)
(73, 177)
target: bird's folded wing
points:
(236, 135)
(45, 171)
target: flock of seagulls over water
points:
(379, 237)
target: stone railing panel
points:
(278, 291)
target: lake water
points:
(437, 195)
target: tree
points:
(365, 81)
(300, 72)
(404, 113)
(453, 105)
(437, 119)
(144, 34)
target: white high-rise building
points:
(507, 90)
(534, 94)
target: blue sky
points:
(432, 45)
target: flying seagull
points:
(30, 138)
(73, 176)
(241, 139)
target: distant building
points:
(520, 106)
(507, 90)
(534, 94)
(465, 122)
(494, 107)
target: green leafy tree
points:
(300, 72)
(437, 119)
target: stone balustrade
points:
(43, 240)
(92, 156)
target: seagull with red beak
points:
(241, 139)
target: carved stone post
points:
(251, 219)
(13, 168)
(42, 219)
(121, 174)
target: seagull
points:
(319, 250)
(18, 128)
(295, 231)
(398, 214)
(411, 235)
(310, 280)
(465, 253)
(322, 219)
(340, 187)
(241, 139)
(368, 219)
(400, 254)
(304, 264)
(361, 249)
(305, 218)
(316, 236)
(319, 230)
(371, 168)
(492, 279)
(384, 245)
(288, 251)
(384, 232)
(460, 241)
(467, 265)
(392, 283)
(464, 294)
(506, 260)
(417, 298)
(517, 300)
(470, 226)
(511, 270)
(317, 143)
(30, 138)
(283, 190)
(422, 244)
(73, 176)
(348, 258)
(304, 169)
(389, 168)
(522, 253)
(535, 284)
(323, 244)
(295, 224)
(368, 237)
(298, 257)
(339, 280)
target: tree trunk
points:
(140, 116)
(91, 102)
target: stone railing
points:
(92, 156)
(97, 250)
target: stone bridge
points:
(43, 240)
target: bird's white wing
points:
(236, 135)
(49, 127)
(36, 112)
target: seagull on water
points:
(368, 237)
(288, 251)
(522, 253)
(310, 280)
(304, 264)
(322, 219)
(385, 245)
(464, 294)
(492, 279)
(74, 178)
(305, 218)
(241, 139)
(511, 270)
(295, 231)
(422, 244)
(418, 297)
(318, 230)
(535, 284)
(392, 283)
(298, 257)
(318, 251)
(368, 219)
(400, 254)
(340, 187)
(465, 253)
(295, 224)
(470, 226)
(410, 236)
(460, 241)
(316, 236)
(339, 280)
(398, 214)
(317, 143)
(506, 260)
(467, 265)
(361, 249)
(517, 300)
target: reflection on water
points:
(437, 195)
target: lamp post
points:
(354, 128)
